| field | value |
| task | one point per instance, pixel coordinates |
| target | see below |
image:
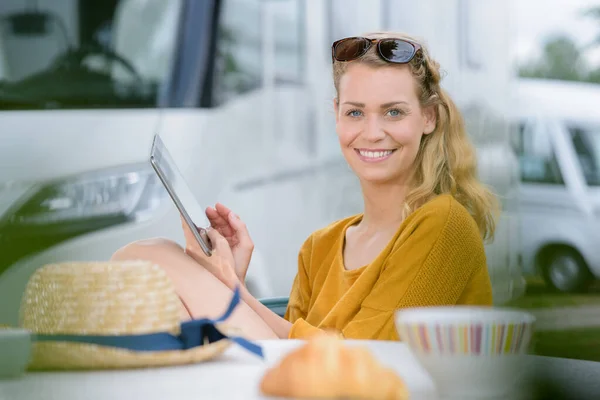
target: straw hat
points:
(86, 315)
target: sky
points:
(535, 20)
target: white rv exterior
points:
(558, 146)
(244, 101)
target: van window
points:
(85, 54)
(586, 142)
(240, 46)
(239, 63)
(290, 49)
(537, 159)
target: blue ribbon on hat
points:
(193, 333)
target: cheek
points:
(407, 132)
(347, 131)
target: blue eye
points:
(354, 113)
(394, 112)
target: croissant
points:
(325, 368)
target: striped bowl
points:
(468, 351)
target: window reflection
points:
(92, 54)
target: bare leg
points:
(203, 294)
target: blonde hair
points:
(455, 171)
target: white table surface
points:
(236, 375)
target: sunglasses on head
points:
(399, 51)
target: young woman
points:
(419, 240)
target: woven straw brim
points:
(105, 298)
(100, 299)
(77, 356)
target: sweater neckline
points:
(342, 241)
(341, 244)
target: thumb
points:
(241, 231)
(216, 239)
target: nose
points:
(374, 130)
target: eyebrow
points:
(386, 105)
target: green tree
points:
(561, 59)
(594, 13)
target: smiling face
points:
(380, 122)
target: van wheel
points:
(565, 271)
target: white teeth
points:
(375, 154)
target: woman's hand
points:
(221, 263)
(234, 230)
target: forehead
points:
(366, 84)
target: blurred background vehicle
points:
(558, 145)
(241, 92)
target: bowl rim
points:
(457, 315)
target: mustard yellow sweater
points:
(435, 258)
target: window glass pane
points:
(586, 142)
(474, 14)
(289, 40)
(85, 54)
(538, 162)
(517, 131)
(239, 65)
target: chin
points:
(378, 177)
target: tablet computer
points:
(180, 193)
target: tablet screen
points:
(175, 182)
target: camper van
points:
(558, 146)
(241, 93)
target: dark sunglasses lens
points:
(350, 49)
(397, 51)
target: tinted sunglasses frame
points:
(369, 43)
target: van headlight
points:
(89, 201)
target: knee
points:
(145, 249)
